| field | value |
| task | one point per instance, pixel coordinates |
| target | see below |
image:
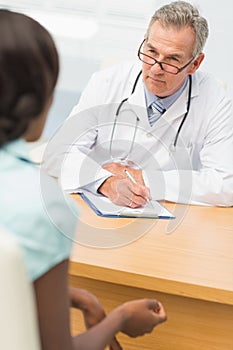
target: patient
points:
(33, 207)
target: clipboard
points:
(102, 206)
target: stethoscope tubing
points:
(186, 114)
(136, 125)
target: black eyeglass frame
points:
(161, 63)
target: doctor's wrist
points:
(104, 188)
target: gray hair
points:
(180, 14)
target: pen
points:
(130, 176)
(127, 173)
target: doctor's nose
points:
(157, 68)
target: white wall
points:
(113, 34)
(121, 26)
(219, 46)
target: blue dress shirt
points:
(166, 101)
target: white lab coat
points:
(199, 171)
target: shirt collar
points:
(19, 149)
(167, 101)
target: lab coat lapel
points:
(177, 110)
(179, 107)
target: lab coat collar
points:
(179, 107)
(177, 110)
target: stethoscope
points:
(124, 159)
(172, 146)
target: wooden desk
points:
(190, 270)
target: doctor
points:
(164, 121)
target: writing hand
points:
(121, 190)
(119, 170)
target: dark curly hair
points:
(29, 68)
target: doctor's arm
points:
(68, 155)
(76, 135)
(212, 183)
(75, 156)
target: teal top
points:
(35, 210)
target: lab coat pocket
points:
(182, 156)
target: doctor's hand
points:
(119, 170)
(121, 190)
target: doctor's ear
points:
(196, 63)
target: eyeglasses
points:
(166, 67)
